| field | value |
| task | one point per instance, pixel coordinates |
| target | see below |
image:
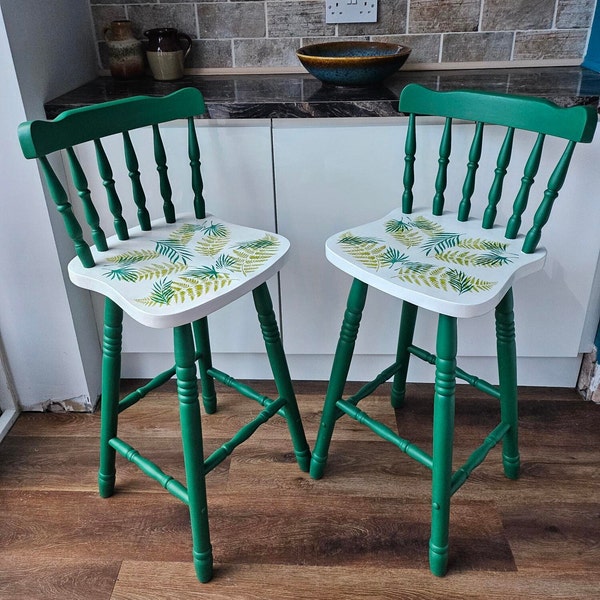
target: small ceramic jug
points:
(125, 53)
(166, 52)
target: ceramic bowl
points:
(356, 64)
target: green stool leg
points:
(405, 337)
(191, 435)
(209, 396)
(507, 370)
(443, 434)
(111, 380)
(339, 374)
(281, 373)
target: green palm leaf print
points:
(427, 226)
(462, 283)
(191, 288)
(133, 256)
(458, 257)
(156, 270)
(482, 244)
(493, 259)
(440, 242)
(226, 261)
(174, 250)
(394, 225)
(185, 233)
(162, 294)
(427, 275)
(216, 237)
(392, 256)
(206, 272)
(215, 230)
(369, 251)
(123, 273)
(251, 255)
(404, 232)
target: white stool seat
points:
(438, 263)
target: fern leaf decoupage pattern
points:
(177, 277)
(422, 252)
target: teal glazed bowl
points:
(355, 64)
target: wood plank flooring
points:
(360, 532)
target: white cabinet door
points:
(333, 174)
(238, 185)
(330, 176)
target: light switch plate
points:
(351, 11)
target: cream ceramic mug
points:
(166, 51)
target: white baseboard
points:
(532, 371)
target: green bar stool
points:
(457, 265)
(167, 271)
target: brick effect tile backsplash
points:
(266, 33)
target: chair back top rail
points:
(576, 123)
(40, 138)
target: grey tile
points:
(297, 18)
(103, 15)
(210, 54)
(319, 40)
(391, 20)
(231, 20)
(180, 16)
(500, 15)
(425, 48)
(549, 45)
(477, 47)
(571, 14)
(440, 16)
(266, 52)
(94, 2)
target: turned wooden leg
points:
(339, 374)
(443, 436)
(209, 395)
(281, 373)
(193, 456)
(111, 380)
(507, 370)
(405, 337)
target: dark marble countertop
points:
(300, 95)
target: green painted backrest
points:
(575, 124)
(93, 123)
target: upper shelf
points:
(300, 95)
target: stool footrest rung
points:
(476, 382)
(477, 457)
(371, 386)
(138, 394)
(368, 388)
(384, 432)
(151, 469)
(220, 454)
(243, 388)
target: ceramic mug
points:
(166, 51)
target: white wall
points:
(46, 48)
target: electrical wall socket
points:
(351, 11)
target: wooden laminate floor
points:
(360, 532)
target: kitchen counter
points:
(300, 95)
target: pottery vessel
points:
(166, 52)
(125, 53)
